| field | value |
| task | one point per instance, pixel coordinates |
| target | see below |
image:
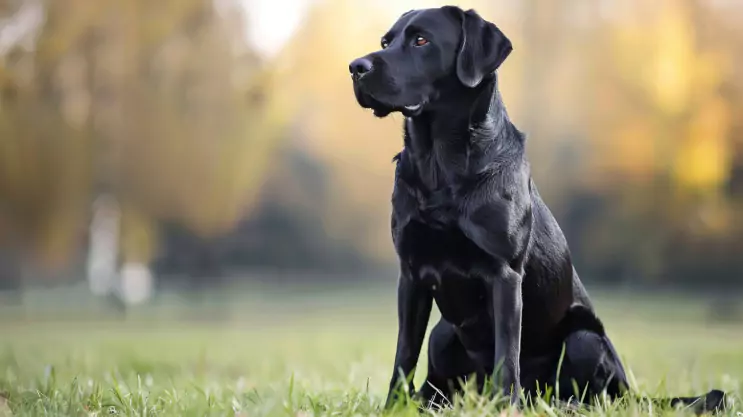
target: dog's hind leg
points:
(591, 366)
(448, 365)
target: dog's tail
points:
(714, 401)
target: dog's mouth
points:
(382, 110)
(383, 106)
(412, 110)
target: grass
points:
(303, 355)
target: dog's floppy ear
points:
(482, 50)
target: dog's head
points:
(426, 54)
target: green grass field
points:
(303, 355)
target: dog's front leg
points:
(413, 311)
(491, 227)
(507, 306)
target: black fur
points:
(470, 229)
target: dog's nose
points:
(360, 67)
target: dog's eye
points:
(385, 44)
(420, 41)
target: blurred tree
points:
(661, 137)
(161, 103)
(356, 148)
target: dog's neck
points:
(477, 123)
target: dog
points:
(471, 231)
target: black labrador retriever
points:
(471, 231)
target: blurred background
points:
(194, 152)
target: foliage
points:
(157, 102)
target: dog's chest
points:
(447, 263)
(438, 209)
(430, 243)
(426, 212)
